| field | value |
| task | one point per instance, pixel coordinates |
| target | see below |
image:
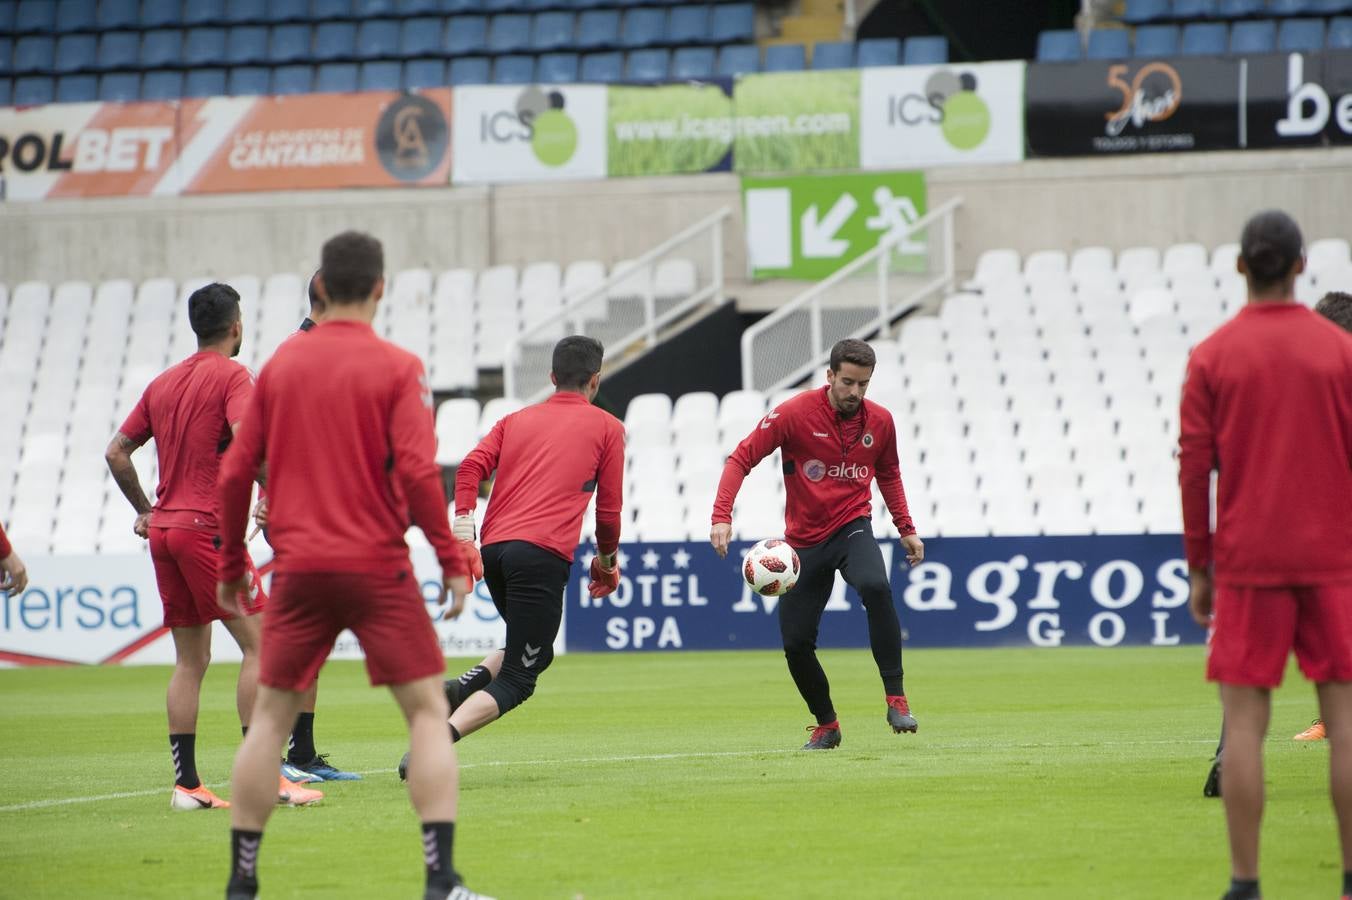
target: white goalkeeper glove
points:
(463, 528)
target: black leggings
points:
(526, 583)
(853, 551)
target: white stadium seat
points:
(457, 427)
(1091, 259)
(1184, 258)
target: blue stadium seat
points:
(1258, 36)
(289, 44)
(7, 53)
(74, 53)
(161, 48)
(1108, 43)
(644, 28)
(785, 58)
(119, 50)
(204, 83)
(34, 17)
(1194, 9)
(120, 87)
(540, 6)
(1141, 11)
(833, 55)
(556, 68)
(297, 78)
(1157, 40)
(924, 50)
(591, 4)
(77, 88)
(420, 36)
(34, 90)
(602, 68)
(501, 6)
(162, 14)
(647, 65)
(336, 78)
(1239, 9)
(334, 41)
(1058, 45)
(1340, 33)
(246, 44)
(34, 53)
(6, 92)
(419, 8)
(738, 59)
(459, 7)
(74, 15)
(280, 11)
(120, 14)
(1301, 34)
(1330, 7)
(162, 84)
(7, 10)
(468, 70)
(688, 25)
(466, 35)
(370, 9)
(514, 68)
(597, 29)
(509, 34)
(202, 12)
(552, 31)
(246, 12)
(380, 76)
(693, 63)
(1203, 39)
(204, 47)
(249, 81)
(878, 52)
(326, 10)
(1289, 7)
(378, 39)
(732, 23)
(424, 73)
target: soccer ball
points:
(771, 568)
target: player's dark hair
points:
(351, 263)
(852, 350)
(312, 291)
(211, 311)
(1337, 308)
(576, 359)
(1271, 245)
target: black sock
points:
(302, 747)
(892, 687)
(244, 861)
(455, 734)
(1347, 884)
(184, 749)
(437, 839)
(244, 730)
(1243, 890)
(476, 679)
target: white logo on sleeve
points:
(769, 420)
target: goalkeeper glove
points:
(603, 579)
(476, 562)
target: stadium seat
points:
(833, 55)
(35, 17)
(603, 68)
(465, 35)
(280, 11)
(77, 88)
(643, 28)
(297, 78)
(1340, 33)
(1301, 35)
(7, 11)
(1203, 39)
(246, 12)
(1108, 43)
(204, 12)
(324, 10)
(120, 87)
(469, 70)
(336, 78)
(1157, 40)
(378, 39)
(647, 65)
(420, 37)
(119, 50)
(119, 14)
(509, 33)
(732, 23)
(249, 81)
(556, 68)
(785, 58)
(693, 63)
(246, 44)
(74, 53)
(6, 91)
(597, 29)
(34, 54)
(162, 85)
(1290, 7)
(1058, 46)
(204, 83)
(368, 9)
(738, 59)
(424, 73)
(7, 54)
(1239, 9)
(1181, 258)
(161, 48)
(552, 31)
(924, 50)
(1253, 37)
(1328, 253)
(1330, 7)
(514, 68)
(380, 76)
(205, 47)
(878, 52)
(419, 7)
(457, 422)
(289, 44)
(688, 25)
(72, 16)
(1194, 9)
(1142, 11)
(334, 42)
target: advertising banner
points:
(809, 226)
(1299, 99)
(1141, 106)
(1103, 591)
(920, 116)
(529, 133)
(670, 129)
(797, 121)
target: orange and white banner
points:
(224, 144)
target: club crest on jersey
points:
(814, 470)
(868, 439)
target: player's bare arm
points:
(118, 457)
(13, 574)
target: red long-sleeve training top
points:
(1267, 402)
(341, 417)
(550, 457)
(829, 462)
(5, 548)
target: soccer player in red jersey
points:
(1267, 404)
(192, 411)
(835, 443)
(345, 405)
(13, 574)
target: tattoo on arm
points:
(124, 473)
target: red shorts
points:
(1256, 628)
(308, 611)
(185, 571)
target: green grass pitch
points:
(1053, 773)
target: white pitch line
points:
(653, 757)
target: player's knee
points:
(513, 687)
(799, 645)
(874, 590)
(194, 664)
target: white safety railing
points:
(790, 343)
(625, 311)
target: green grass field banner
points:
(670, 129)
(797, 121)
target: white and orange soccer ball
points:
(771, 568)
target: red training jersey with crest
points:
(829, 462)
(189, 410)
